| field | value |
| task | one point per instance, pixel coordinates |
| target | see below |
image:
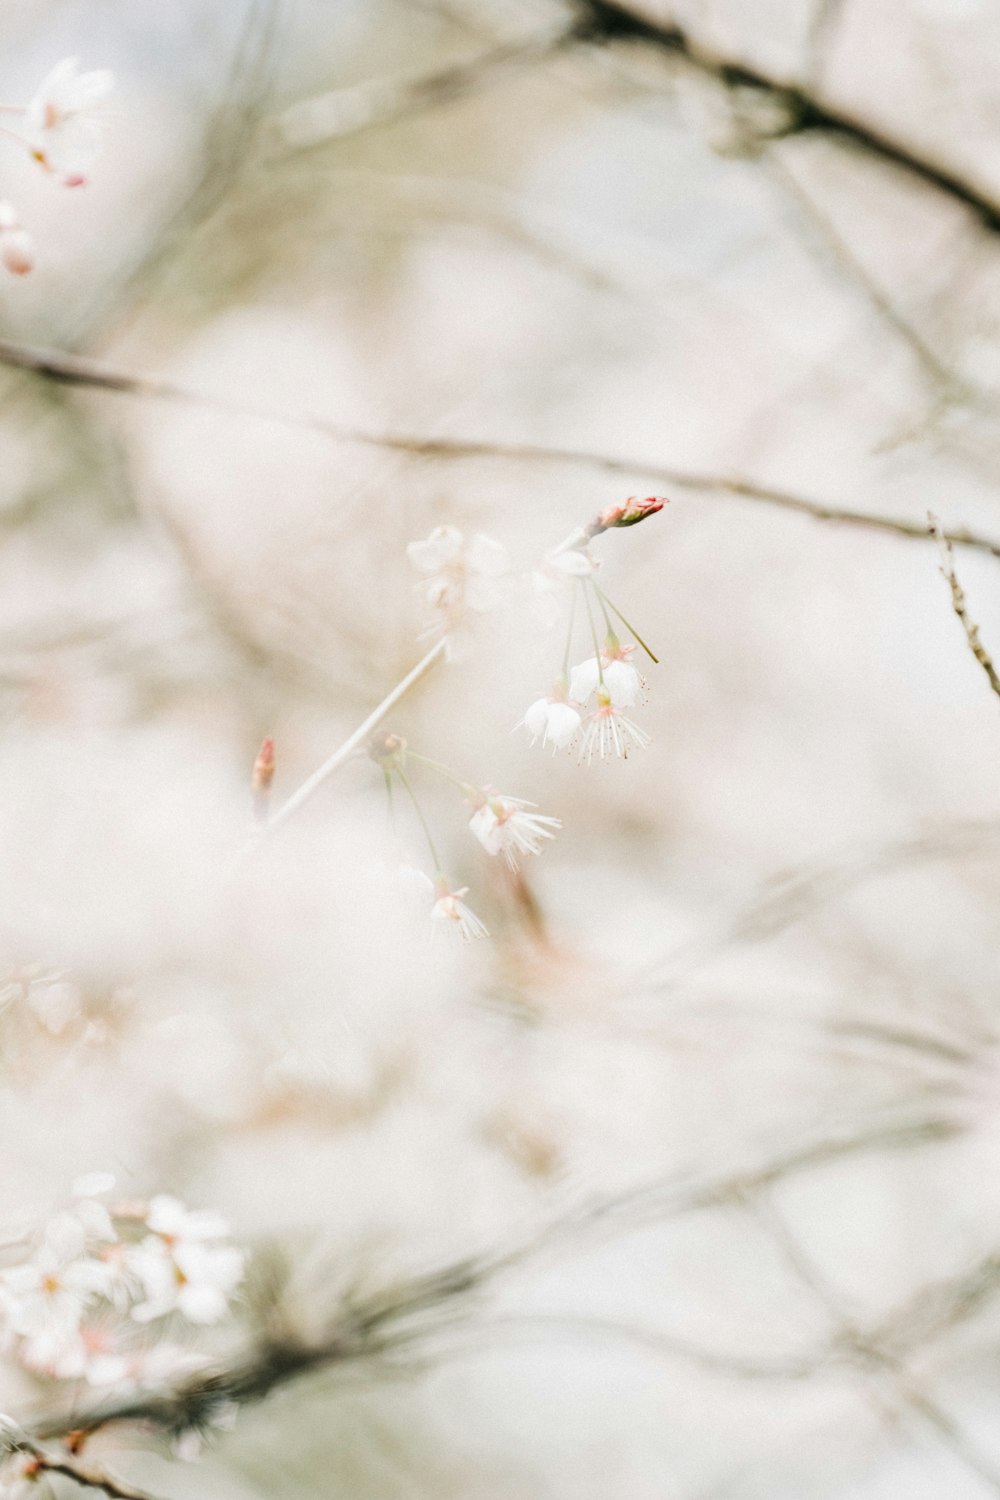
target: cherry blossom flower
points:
(181, 1266)
(503, 825)
(608, 732)
(63, 121)
(17, 248)
(619, 676)
(461, 575)
(46, 1297)
(449, 908)
(552, 720)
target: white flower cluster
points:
(62, 128)
(614, 684)
(74, 1309)
(588, 703)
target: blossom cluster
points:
(99, 1274)
(587, 703)
(61, 127)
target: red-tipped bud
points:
(260, 781)
(630, 513)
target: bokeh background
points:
(755, 1013)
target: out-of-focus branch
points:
(345, 112)
(804, 109)
(75, 370)
(383, 1327)
(40, 1459)
(866, 1350)
(960, 607)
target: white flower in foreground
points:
(63, 121)
(450, 909)
(181, 1266)
(461, 575)
(17, 248)
(552, 720)
(503, 825)
(620, 677)
(608, 732)
(46, 1297)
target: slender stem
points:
(423, 821)
(630, 628)
(435, 765)
(313, 783)
(593, 630)
(604, 609)
(569, 633)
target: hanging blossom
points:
(553, 719)
(461, 575)
(504, 825)
(614, 670)
(72, 1309)
(63, 120)
(608, 732)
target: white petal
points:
(436, 551)
(487, 556)
(584, 679)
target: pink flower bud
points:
(627, 514)
(17, 251)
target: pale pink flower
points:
(608, 732)
(503, 825)
(63, 119)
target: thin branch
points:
(869, 1352)
(75, 370)
(315, 122)
(959, 605)
(312, 783)
(805, 109)
(40, 1459)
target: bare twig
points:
(867, 1350)
(959, 605)
(313, 783)
(75, 370)
(38, 1458)
(805, 109)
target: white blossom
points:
(552, 720)
(461, 575)
(181, 1266)
(63, 119)
(45, 1298)
(449, 908)
(503, 825)
(619, 676)
(608, 732)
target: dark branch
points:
(607, 20)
